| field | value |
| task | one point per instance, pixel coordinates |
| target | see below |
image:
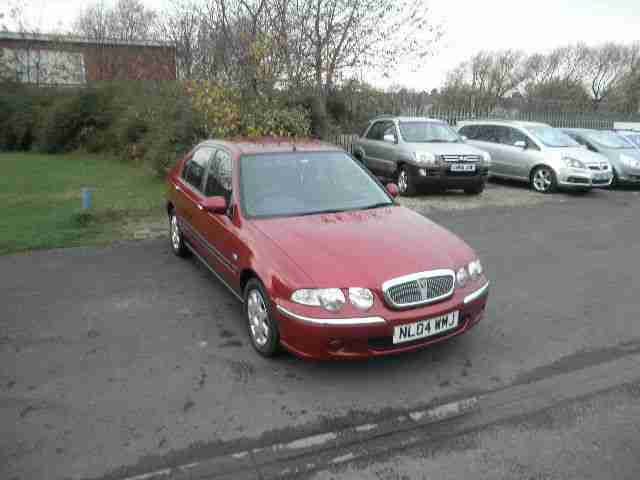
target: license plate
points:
(425, 328)
(461, 167)
(601, 176)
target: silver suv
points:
(421, 152)
(537, 153)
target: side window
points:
(219, 179)
(490, 133)
(390, 129)
(375, 132)
(503, 135)
(195, 168)
(470, 131)
(518, 136)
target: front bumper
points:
(442, 175)
(327, 338)
(584, 178)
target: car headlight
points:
(424, 157)
(487, 158)
(331, 299)
(462, 276)
(361, 298)
(469, 273)
(573, 162)
(629, 161)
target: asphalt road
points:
(125, 359)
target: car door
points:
(521, 159)
(388, 150)
(189, 188)
(219, 231)
(371, 147)
(485, 138)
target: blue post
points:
(86, 198)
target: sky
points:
(469, 26)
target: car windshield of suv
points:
(608, 139)
(552, 137)
(306, 183)
(428, 132)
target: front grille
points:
(602, 167)
(461, 158)
(419, 288)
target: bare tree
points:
(180, 24)
(128, 20)
(608, 66)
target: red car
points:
(324, 261)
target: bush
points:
(19, 109)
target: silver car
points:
(421, 152)
(537, 153)
(622, 154)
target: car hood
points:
(445, 148)
(365, 248)
(581, 154)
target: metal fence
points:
(601, 121)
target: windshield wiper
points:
(320, 212)
(377, 205)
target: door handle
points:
(178, 189)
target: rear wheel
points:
(406, 185)
(476, 189)
(263, 328)
(543, 180)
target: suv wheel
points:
(476, 189)
(406, 185)
(543, 180)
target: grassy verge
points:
(41, 200)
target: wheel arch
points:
(538, 165)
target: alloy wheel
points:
(403, 181)
(175, 233)
(258, 318)
(543, 180)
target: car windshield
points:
(633, 138)
(552, 137)
(306, 183)
(428, 132)
(608, 139)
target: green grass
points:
(41, 200)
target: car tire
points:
(176, 239)
(615, 181)
(261, 324)
(543, 180)
(406, 185)
(477, 189)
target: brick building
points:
(70, 60)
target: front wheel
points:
(543, 180)
(406, 184)
(263, 328)
(177, 241)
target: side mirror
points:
(214, 205)
(392, 188)
(520, 144)
(389, 138)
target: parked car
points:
(632, 136)
(421, 152)
(622, 154)
(537, 153)
(324, 261)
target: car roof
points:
(507, 123)
(406, 119)
(252, 146)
